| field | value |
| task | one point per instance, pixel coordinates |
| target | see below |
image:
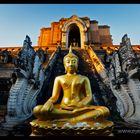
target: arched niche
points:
(77, 23)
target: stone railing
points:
(51, 62)
(99, 66)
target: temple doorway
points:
(74, 36)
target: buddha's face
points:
(71, 64)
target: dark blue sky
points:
(17, 20)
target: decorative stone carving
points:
(23, 93)
(124, 76)
(26, 56)
(82, 28)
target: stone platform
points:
(54, 128)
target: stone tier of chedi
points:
(74, 30)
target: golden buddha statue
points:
(77, 96)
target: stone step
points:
(9, 125)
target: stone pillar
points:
(94, 32)
(63, 41)
(105, 37)
(82, 34)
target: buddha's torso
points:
(73, 87)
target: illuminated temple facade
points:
(80, 30)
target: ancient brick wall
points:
(105, 37)
(55, 32)
(94, 32)
(44, 38)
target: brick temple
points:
(82, 30)
(27, 73)
(79, 31)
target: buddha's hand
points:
(79, 105)
(48, 106)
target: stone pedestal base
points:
(56, 128)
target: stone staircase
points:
(101, 94)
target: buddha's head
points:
(71, 62)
